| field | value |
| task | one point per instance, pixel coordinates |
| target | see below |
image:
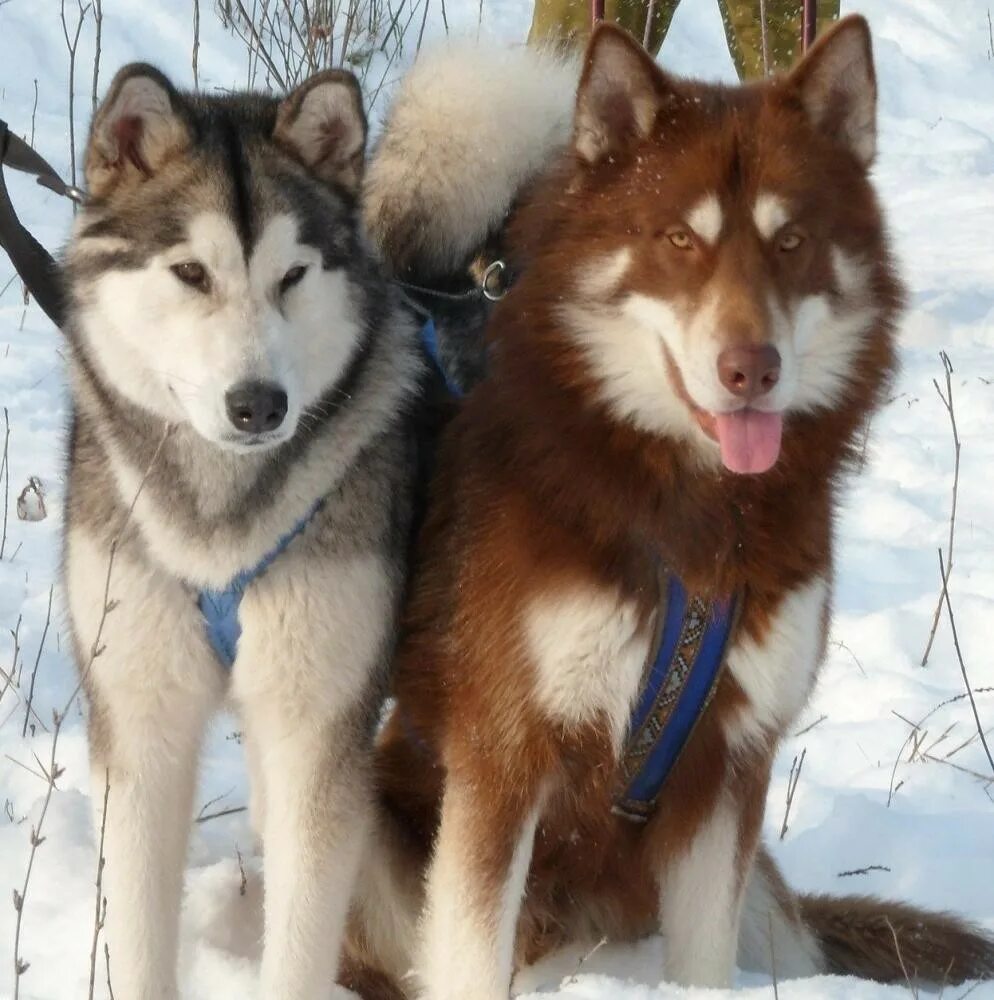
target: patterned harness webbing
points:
(679, 679)
(676, 690)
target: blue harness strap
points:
(675, 692)
(220, 607)
(429, 341)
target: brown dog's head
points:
(720, 252)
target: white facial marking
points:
(176, 352)
(589, 653)
(601, 277)
(776, 674)
(705, 218)
(769, 214)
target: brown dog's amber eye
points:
(680, 238)
(789, 240)
(192, 273)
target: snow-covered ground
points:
(918, 814)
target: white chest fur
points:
(776, 674)
(588, 648)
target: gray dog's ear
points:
(322, 122)
(135, 130)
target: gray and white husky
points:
(243, 382)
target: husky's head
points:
(722, 258)
(216, 272)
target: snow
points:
(926, 826)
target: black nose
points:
(254, 407)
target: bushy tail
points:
(893, 942)
(469, 127)
(855, 935)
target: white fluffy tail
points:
(469, 127)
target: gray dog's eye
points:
(292, 277)
(194, 274)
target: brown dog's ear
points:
(620, 91)
(135, 130)
(322, 122)
(838, 87)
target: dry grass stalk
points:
(947, 402)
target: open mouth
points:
(748, 439)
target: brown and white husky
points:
(702, 323)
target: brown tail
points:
(893, 942)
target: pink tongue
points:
(749, 440)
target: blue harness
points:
(220, 607)
(679, 680)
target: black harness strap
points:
(35, 265)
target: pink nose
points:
(749, 372)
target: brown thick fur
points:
(541, 489)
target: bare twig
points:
(222, 812)
(100, 905)
(900, 959)
(650, 13)
(5, 468)
(764, 37)
(213, 802)
(98, 20)
(985, 779)
(792, 780)
(34, 113)
(71, 45)
(897, 760)
(944, 573)
(808, 728)
(34, 672)
(110, 989)
(195, 56)
(947, 402)
(863, 871)
(243, 879)
(584, 959)
(839, 644)
(15, 634)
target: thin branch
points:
(223, 812)
(959, 657)
(195, 55)
(15, 634)
(947, 402)
(792, 780)
(98, 20)
(863, 871)
(34, 672)
(72, 46)
(900, 959)
(807, 729)
(100, 905)
(5, 468)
